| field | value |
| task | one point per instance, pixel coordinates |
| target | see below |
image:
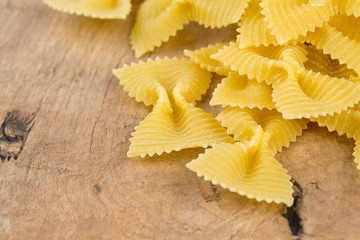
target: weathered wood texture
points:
(72, 179)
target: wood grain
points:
(72, 179)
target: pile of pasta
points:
(293, 61)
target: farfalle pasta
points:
(172, 86)
(290, 19)
(240, 91)
(317, 61)
(344, 30)
(249, 167)
(253, 30)
(340, 30)
(247, 170)
(202, 57)
(348, 7)
(157, 20)
(245, 123)
(312, 94)
(104, 9)
(261, 63)
(297, 92)
(293, 60)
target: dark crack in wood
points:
(13, 133)
(292, 214)
(210, 192)
(97, 188)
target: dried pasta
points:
(293, 60)
(297, 92)
(348, 7)
(289, 19)
(104, 9)
(253, 30)
(312, 94)
(239, 91)
(247, 170)
(157, 20)
(202, 57)
(249, 167)
(245, 123)
(317, 61)
(268, 64)
(172, 86)
(340, 30)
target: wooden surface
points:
(71, 178)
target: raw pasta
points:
(157, 20)
(289, 19)
(202, 57)
(104, 9)
(172, 86)
(247, 170)
(340, 30)
(317, 61)
(262, 63)
(249, 167)
(244, 123)
(297, 92)
(293, 60)
(311, 94)
(239, 91)
(347, 7)
(253, 30)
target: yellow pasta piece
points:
(289, 19)
(317, 61)
(239, 123)
(248, 170)
(157, 20)
(268, 64)
(218, 13)
(253, 29)
(172, 86)
(348, 7)
(104, 9)
(310, 94)
(347, 123)
(245, 123)
(202, 57)
(340, 38)
(239, 91)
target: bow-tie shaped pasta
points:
(104, 9)
(157, 20)
(297, 91)
(235, 90)
(344, 30)
(346, 122)
(289, 19)
(262, 63)
(253, 29)
(172, 86)
(317, 61)
(202, 57)
(348, 7)
(249, 167)
(239, 91)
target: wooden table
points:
(72, 179)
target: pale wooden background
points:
(73, 180)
